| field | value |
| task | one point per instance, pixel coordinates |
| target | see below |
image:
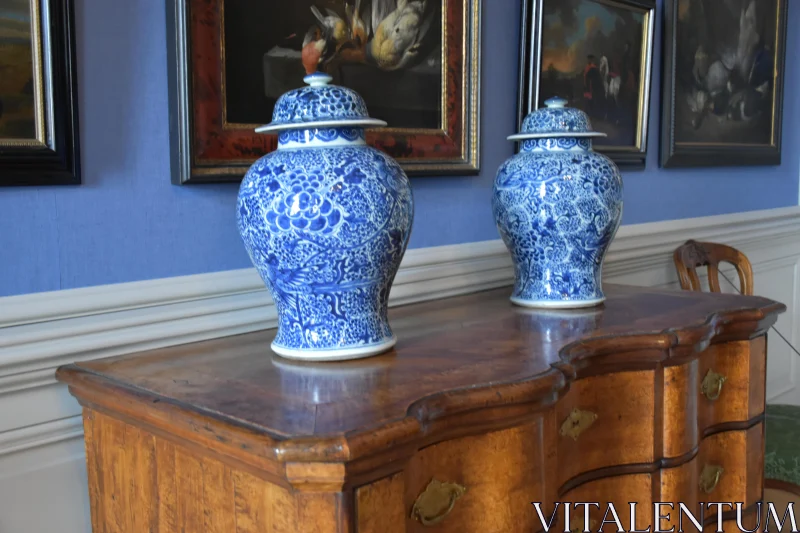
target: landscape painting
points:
(388, 51)
(17, 100)
(597, 54)
(592, 55)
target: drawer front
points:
(617, 490)
(480, 484)
(728, 468)
(751, 520)
(725, 384)
(606, 421)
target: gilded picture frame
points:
(557, 39)
(39, 142)
(223, 60)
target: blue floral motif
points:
(321, 103)
(557, 210)
(556, 120)
(325, 135)
(326, 228)
(556, 143)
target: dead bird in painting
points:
(390, 36)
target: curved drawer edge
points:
(663, 463)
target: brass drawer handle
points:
(576, 423)
(712, 385)
(709, 478)
(436, 502)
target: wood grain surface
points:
(511, 405)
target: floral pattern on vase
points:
(326, 229)
(557, 119)
(324, 135)
(557, 205)
(318, 103)
(326, 220)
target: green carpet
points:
(783, 443)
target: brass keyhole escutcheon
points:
(436, 502)
(712, 385)
(709, 478)
(576, 423)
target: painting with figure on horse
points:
(389, 51)
(592, 56)
(725, 71)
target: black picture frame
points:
(56, 159)
(530, 68)
(674, 154)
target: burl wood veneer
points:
(482, 408)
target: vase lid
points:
(319, 105)
(556, 120)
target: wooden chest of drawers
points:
(482, 409)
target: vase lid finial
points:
(556, 102)
(318, 79)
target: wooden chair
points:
(782, 468)
(693, 255)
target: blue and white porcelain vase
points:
(558, 205)
(326, 220)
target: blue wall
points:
(128, 223)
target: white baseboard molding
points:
(30, 437)
(40, 332)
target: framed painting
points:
(723, 82)
(597, 54)
(38, 94)
(415, 62)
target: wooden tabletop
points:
(452, 355)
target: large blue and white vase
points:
(326, 220)
(558, 205)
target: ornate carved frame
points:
(205, 149)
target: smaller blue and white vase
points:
(326, 220)
(558, 206)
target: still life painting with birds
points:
(416, 64)
(725, 71)
(389, 51)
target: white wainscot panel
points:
(778, 280)
(44, 490)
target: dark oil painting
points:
(725, 71)
(592, 56)
(389, 51)
(17, 115)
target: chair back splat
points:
(693, 255)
